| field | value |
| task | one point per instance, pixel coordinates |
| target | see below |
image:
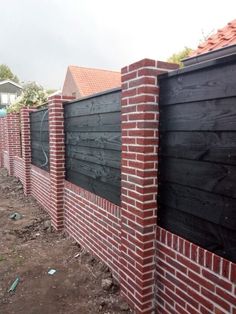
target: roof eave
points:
(217, 53)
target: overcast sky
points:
(40, 38)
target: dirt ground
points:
(29, 248)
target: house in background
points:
(82, 82)
(9, 91)
(222, 43)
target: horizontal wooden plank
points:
(211, 177)
(100, 104)
(215, 238)
(212, 115)
(211, 207)
(40, 165)
(97, 172)
(40, 145)
(109, 158)
(39, 121)
(105, 190)
(38, 154)
(209, 146)
(39, 115)
(38, 159)
(106, 140)
(209, 83)
(39, 135)
(39, 126)
(94, 123)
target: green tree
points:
(177, 57)
(6, 74)
(33, 95)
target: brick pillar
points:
(140, 115)
(13, 139)
(57, 158)
(2, 141)
(26, 148)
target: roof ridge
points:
(11, 82)
(97, 69)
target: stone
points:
(107, 284)
(124, 307)
(47, 225)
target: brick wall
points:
(6, 160)
(26, 149)
(158, 271)
(94, 222)
(40, 187)
(13, 139)
(190, 279)
(18, 168)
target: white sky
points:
(40, 38)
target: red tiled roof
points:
(90, 81)
(224, 37)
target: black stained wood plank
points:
(211, 177)
(39, 125)
(38, 112)
(105, 190)
(209, 83)
(97, 172)
(38, 118)
(38, 121)
(39, 136)
(209, 146)
(212, 237)
(100, 104)
(38, 159)
(210, 207)
(94, 123)
(109, 158)
(38, 145)
(38, 154)
(40, 165)
(190, 227)
(213, 115)
(105, 140)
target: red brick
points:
(226, 296)
(128, 76)
(233, 273)
(209, 295)
(200, 280)
(142, 63)
(188, 263)
(142, 81)
(217, 280)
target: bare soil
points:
(29, 248)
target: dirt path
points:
(29, 248)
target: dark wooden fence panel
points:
(93, 144)
(40, 138)
(197, 173)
